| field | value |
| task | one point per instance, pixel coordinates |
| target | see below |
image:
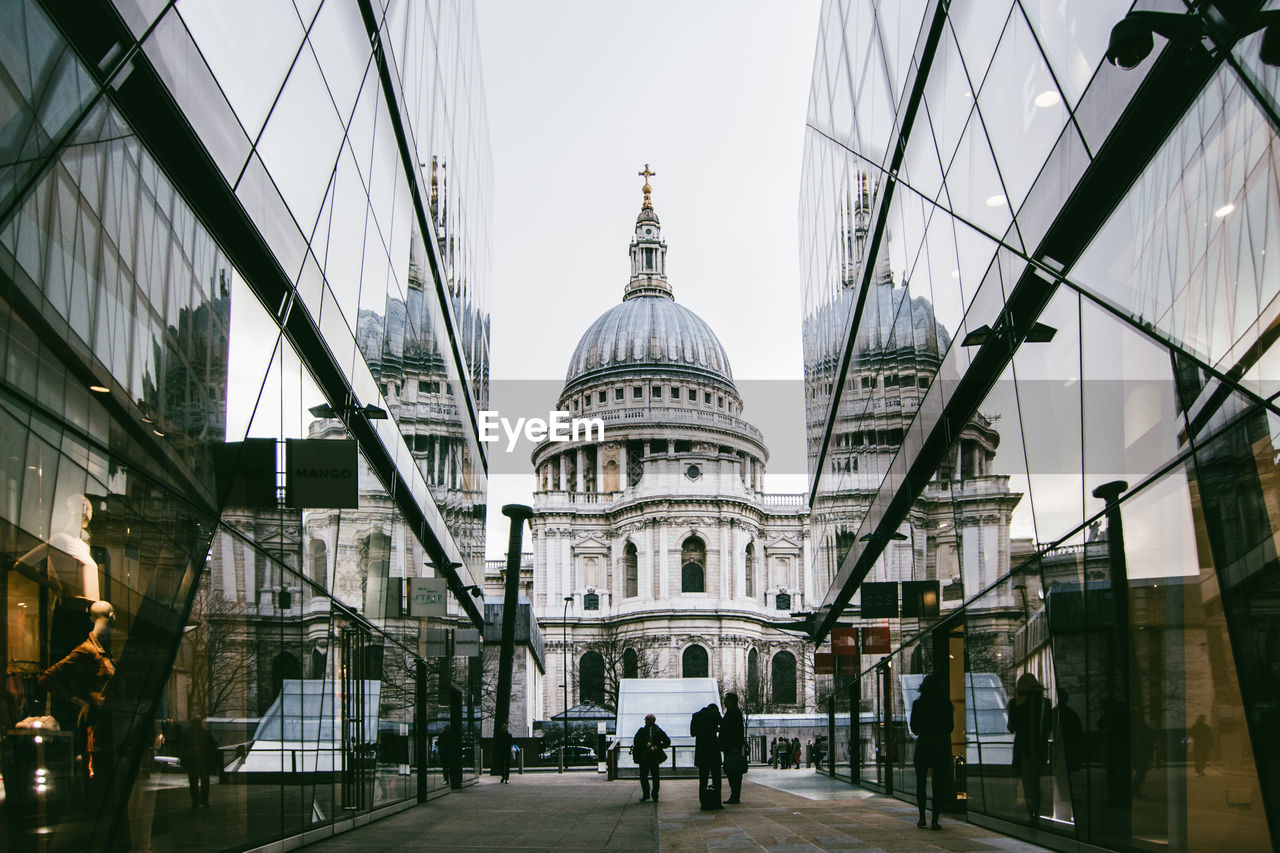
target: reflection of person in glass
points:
(82, 677)
(1029, 722)
(1201, 743)
(931, 722)
(199, 756)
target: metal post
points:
(518, 513)
(564, 665)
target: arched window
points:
(631, 570)
(591, 601)
(591, 678)
(317, 564)
(753, 677)
(784, 678)
(694, 663)
(751, 570)
(693, 565)
(630, 664)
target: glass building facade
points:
(226, 227)
(1040, 300)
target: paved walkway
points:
(796, 811)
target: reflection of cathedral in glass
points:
(206, 254)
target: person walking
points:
(648, 749)
(773, 753)
(198, 756)
(1029, 722)
(705, 728)
(932, 720)
(1201, 743)
(795, 753)
(502, 742)
(733, 741)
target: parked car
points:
(572, 755)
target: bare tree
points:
(612, 642)
(219, 654)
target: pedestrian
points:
(1030, 724)
(648, 748)
(1201, 743)
(705, 728)
(450, 760)
(773, 753)
(808, 753)
(733, 741)
(932, 720)
(784, 754)
(795, 753)
(502, 743)
(198, 754)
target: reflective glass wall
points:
(225, 227)
(1041, 412)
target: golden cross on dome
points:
(646, 189)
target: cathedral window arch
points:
(591, 678)
(783, 679)
(317, 562)
(694, 664)
(630, 664)
(693, 565)
(631, 570)
(753, 676)
(751, 570)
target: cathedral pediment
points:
(591, 545)
(782, 543)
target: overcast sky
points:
(581, 95)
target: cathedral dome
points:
(645, 334)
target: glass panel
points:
(300, 142)
(1021, 108)
(250, 62)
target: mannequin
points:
(71, 566)
(83, 676)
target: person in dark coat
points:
(199, 755)
(1029, 720)
(644, 749)
(502, 741)
(1201, 743)
(932, 720)
(705, 728)
(733, 740)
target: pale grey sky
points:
(581, 95)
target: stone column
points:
(564, 473)
(622, 465)
(660, 562)
(726, 560)
(599, 468)
(579, 473)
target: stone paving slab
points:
(797, 813)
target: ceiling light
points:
(1224, 210)
(157, 432)
(1048, 98)
(995, 200)
(99, 389)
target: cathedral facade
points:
(656, 551)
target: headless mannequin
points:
(83, 676)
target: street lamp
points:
(564, 665)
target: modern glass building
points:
(1041, 294)
(244, 269)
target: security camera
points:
(1130, 42)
